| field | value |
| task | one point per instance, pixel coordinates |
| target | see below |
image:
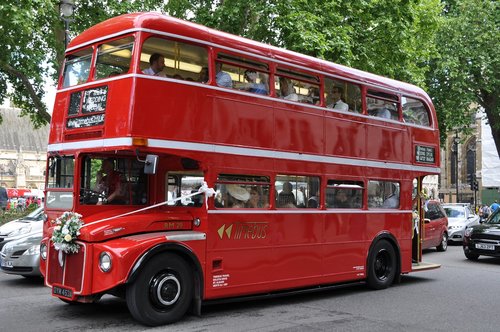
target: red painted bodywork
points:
(298, 249)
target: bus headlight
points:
(105, 262)
(43, 251)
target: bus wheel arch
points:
(383, 262)
(164, 284)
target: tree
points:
(28, 42)
(466, 74)
(394, 38)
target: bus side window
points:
(242, 191)
(246, 74)
(343, 96)
(382, 105)
(295, 191)
(181, 185)
(383, 194)
(415, 112)
(344, 194)
(297, 86)
(183, 61)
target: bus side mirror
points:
(150, 164)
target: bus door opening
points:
(417, 220)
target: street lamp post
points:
(456, 140)
(66, 9)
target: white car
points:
(460, 216)
(18, 228)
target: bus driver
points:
(108, 182)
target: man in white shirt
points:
(156, 65)
(337, 103)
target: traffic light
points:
(471, 178)
(475, 186)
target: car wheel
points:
(444, 243)
(471, 256)
(382, 267)
(162, 292)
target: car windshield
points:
(35, 215)
(495, 218)
(454, 212)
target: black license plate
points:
(62, 292)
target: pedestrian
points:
(494, 206)
(4, 198)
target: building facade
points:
(466, 170)
(23, 151)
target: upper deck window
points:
(242, 74)
(414, 111)
(183, 60)
(77, 67)
(342, 96)
(297, 86)
(114, 57)
(382, 105)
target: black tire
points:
(162, 292)
(472, 257)
(382, 266)
(444, 243)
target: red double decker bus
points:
(312, 166)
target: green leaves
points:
(450, 48)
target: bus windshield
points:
(60, 181)
(77, 67)
(114, 181)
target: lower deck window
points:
(344, 194)
(242, 191)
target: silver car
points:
(22, 256)
(460, 216)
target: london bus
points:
(233, 169)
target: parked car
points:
(18, 228)
(460, 216)
(435, 227)
(483, 239)
(22, 256)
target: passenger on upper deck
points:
(222, 78)
(253, 86)
(156, 65)
(287, 90)
(337, 103)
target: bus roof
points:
(156, 22)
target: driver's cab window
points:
(181, 187)
(113, 181)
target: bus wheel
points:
(162, 292)
(382, 267)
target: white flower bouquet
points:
(66, 232)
